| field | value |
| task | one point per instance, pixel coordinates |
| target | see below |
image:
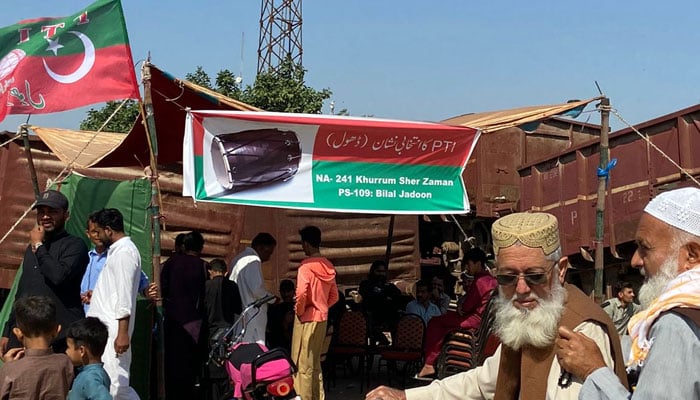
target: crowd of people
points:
(70, 329)
(56, 291)
(383, 303)
(74, 310)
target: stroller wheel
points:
(227, 396)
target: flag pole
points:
(150, 125)
(30, 160)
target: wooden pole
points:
(153, 143)
(600, 203)
(147, 112)
(30, 160)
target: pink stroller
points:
(256, 373)
(259, 373)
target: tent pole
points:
(30, 160)
(150, 125)
(600, 202)
(153, 143)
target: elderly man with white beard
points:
(665, 352)
(533, 302)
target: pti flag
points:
(328, 163)
(56, 64)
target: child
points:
(86, 340)
(35, 372)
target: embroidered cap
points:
(53, 199)
(536, 230)
(679, 208)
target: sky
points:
(430, 60)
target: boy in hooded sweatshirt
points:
(316, 291)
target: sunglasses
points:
(532, 279)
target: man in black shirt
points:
(280, 318)
(53, 266)
(381, 300)
(223, 303)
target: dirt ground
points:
(347, 383)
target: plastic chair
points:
(406, 347)
(324, 356)
(465, 349)
(351, 342)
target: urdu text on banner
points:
(326, 163)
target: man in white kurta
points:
(534, 301)
(246, 271)
(114, 303)
(480, 383)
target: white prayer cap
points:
(679, 208)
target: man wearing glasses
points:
(534, 301)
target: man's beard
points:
(536, 327)
(654, 286)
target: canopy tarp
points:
(79, 148)
(491, 121)
(171, 96)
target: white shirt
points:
(246, 271)
(480, 382)
(114, 296)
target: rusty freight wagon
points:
(565, 184)
(491, 176)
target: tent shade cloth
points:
(491, 121)
(79, 148)
(326, 163)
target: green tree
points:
(284, 90)
(121, 122)
(199, 77)
(228, 84)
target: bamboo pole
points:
(153, 144)
(600, 202)
(30, 160)
(150, 125)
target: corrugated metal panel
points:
(16, 195)
(566, 184)
(350, 241)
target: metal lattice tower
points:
(280, 33)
